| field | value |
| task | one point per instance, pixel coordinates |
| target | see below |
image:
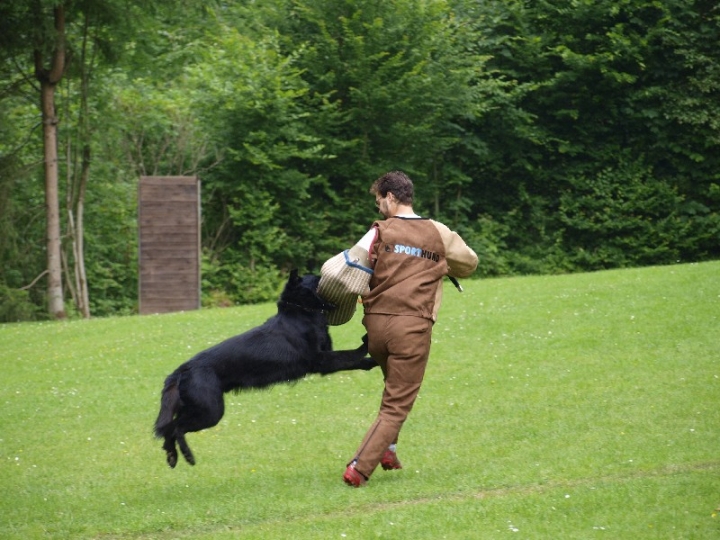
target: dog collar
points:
(304, 308)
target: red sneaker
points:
(353, 477)
(390, 461)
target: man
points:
(409, 255)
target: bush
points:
(622, 217)
(488, 241)
(16, 306)
(225, 283)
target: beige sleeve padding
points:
(461, 259)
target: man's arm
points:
(461, 259)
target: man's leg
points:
(401, 346)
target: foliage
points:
(399, 84)
(232, 282)
(622, 217)
(112, 248)
(21, 226)
(593, 83)
(554, 138)
(16, 305)
(260, 213)
(488, 239)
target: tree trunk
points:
(79, 243)
(56, 305)
(77, 181)
(48, 80)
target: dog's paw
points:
(189, 457)
(363, 349)
(368, 363)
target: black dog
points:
(288, 346)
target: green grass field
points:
(581, 406)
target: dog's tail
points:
(169, 405)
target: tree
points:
(598, 85)
(259, 212)
(401, 83)
(55, 34)
(49, 73)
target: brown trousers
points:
(401, 346)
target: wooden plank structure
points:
(169, 243)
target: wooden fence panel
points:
(169, 243)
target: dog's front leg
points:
(333, 361)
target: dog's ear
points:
(294, 275)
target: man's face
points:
(384, 203)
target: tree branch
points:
(34, 281)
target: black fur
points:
(288, 346)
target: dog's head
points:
(301, 291)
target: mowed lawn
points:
(582, 406)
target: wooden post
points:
(169, 243)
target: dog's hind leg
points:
(176, 435)
(201, 418)
(169, 406)
(204, 411)
(171, 451)
(185, 449)
(168, 434)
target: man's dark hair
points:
(396, 182)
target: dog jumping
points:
(293, 343)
